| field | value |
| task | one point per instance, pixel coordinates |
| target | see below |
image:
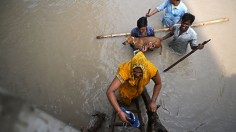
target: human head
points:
(138, 64)
(142, 22)
(175, 2)
(188, 17)
(186, 21)
(142, 25)
(138, 72)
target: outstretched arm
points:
(156, 91)
(152, 13)
(158, 9)
(167, 36)
(112, 98)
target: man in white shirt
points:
(183, 35)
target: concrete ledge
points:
(18, 116)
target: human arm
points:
(158, 9)
(170, 34)
(167, 35)
(112, 98)
(152, 13)
(150, 32)
(156, 91)
(193, 43)
(200, 46)
(133, 32)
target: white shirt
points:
(180, 42)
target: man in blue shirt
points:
(142, 30)
(175, 9)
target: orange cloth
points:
(132, 87)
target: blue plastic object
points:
(134, 121)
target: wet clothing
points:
(173, 13)
(180, 42)
(136, 33)
(132, 87)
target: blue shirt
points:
(173, 13)
(180, 42)
(135, 32)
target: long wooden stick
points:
(149, 11)
(165, 29)
(154, 123)
(184, 57)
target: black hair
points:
(188, 17)
(142, 22)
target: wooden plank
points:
(113, 118)
(142, 128)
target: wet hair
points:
(188, 17)
(142, 22)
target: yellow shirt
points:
(132, 87)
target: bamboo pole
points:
(210, 22)
(113, 35)
(165, 29)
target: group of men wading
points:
(134, 75)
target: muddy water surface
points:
(50, 56)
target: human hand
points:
(200, 46)
(153, 106)
(143, 34)
(161, 39)
(144, 48)
(170, 28)
(123, 117)
(148, 15)
(151, 45)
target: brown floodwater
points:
(50, 57)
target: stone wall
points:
(18, 116)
